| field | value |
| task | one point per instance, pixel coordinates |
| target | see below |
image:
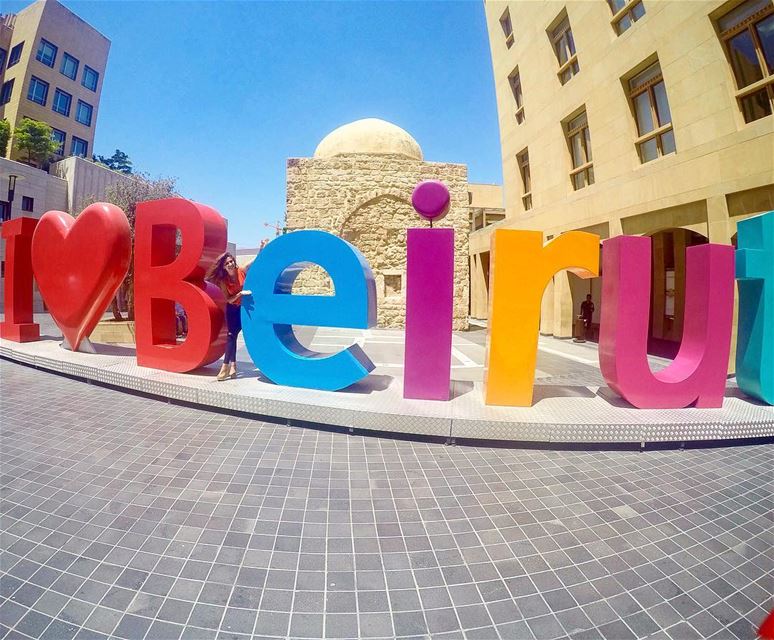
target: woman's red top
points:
(235, 287)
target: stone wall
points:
(366, 199)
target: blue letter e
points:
(268, 315)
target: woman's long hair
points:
(217, 272)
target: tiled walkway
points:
(131, 518)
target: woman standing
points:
(230, 279)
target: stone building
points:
(675, 100)
(358, 186)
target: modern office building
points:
(637, 117)
(53, 67)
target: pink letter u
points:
(698, 372)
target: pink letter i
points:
(429, 298)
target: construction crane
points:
(279, 228)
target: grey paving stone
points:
(153, 520)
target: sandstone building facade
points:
(52, 67)
(638, 117)
(358, 186)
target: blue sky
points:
(219, 94)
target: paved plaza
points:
(127, 517)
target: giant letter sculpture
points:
(18, 325)
(162, 278)
(698, 372)
(755, 333)
(429, 298)
(268, 315)
(521, 269)
(79, 264)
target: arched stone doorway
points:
(667, 297)
(378, 230)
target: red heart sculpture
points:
(79, 263)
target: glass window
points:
(38, 91)
(765, 31)
(625, 13)
(651, 111)
(79, 147)
(62, 102)
(748, 34)
(744, 60)
(69, 66)
(579, 143)
(3, 55)
(90, 78)
(27, 203)
(15, 54)
(564, 49)
(46, 53)
(83, 113)
(507, 26)
(522, 160)
(5, 93)
(59, 136)
(515, 82)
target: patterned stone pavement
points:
(127, 517)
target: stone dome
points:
(369, 136)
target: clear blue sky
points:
(219, 94)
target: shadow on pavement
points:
(559, 391)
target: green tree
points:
(35, 138)
(119, 161)
(126, 193)
(5, 135)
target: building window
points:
(69, 66)
(651, 110)
(579, 142)
(515, 81)
(27, 203)
(79, 147)
(748, 35)
(625, 12)
(564, 48)
(61, 103)
(59, 136)
(83, 113)
(90, 78)
(3, 55)
(46, 53)
(38, 91)
(522, 159)
(5, 214)
(507, 26)
(5, 92)
(15, 54)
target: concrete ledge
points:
(563, 414)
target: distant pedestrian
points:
(586, 314)
(230, 278)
